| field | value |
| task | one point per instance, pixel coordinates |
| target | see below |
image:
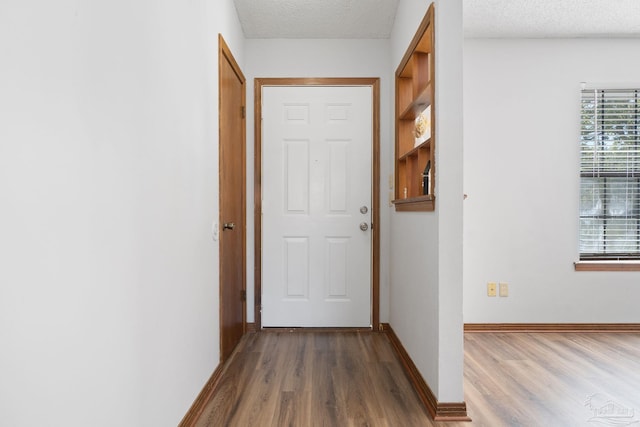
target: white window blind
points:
(610, 174)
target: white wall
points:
(521, 110)
(108, 189)
(322, 58)
(426, 248)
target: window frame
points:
(601, 261)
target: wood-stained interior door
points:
(232, 201)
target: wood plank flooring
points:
(551, 379)
(307, 378)
(314, 379)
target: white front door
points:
(316, 194)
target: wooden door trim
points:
(372, 82)
(224, 54)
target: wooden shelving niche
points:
(415, 122)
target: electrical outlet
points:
(491, 289)
(504, 289)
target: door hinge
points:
(243, 111)
(243, 295)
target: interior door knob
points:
(228, 226)
(364, 226)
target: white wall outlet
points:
(504, 289)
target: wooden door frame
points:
(224, 54)
(374, 84)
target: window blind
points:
(610, 174)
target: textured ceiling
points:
(369, 19)
(552, 18)
(482, 18)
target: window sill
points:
(607, 265)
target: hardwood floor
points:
(354, 378)
(314, 379)
(551, 379)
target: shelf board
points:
(422, 101)
(415, 86)
(414, 150)
(415, 204)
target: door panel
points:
(316, 175)
(296, 169)
(232, 203)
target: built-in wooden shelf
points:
(414, 151)
(415, 204)
(415, 83)
(422, 101)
